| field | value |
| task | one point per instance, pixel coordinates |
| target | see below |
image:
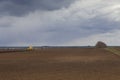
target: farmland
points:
(60, 64)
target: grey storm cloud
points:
(22, 7)
(58, 22)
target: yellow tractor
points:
(30, 48)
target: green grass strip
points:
(113, 50)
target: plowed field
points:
(60, 64)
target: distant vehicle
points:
(30, 48)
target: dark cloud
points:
(100, 25)
(21, 7)
(77, 24)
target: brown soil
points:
(60, 64)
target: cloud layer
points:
(54, 22)
(24, 7)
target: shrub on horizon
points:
(100, 44)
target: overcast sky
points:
(59, 22)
